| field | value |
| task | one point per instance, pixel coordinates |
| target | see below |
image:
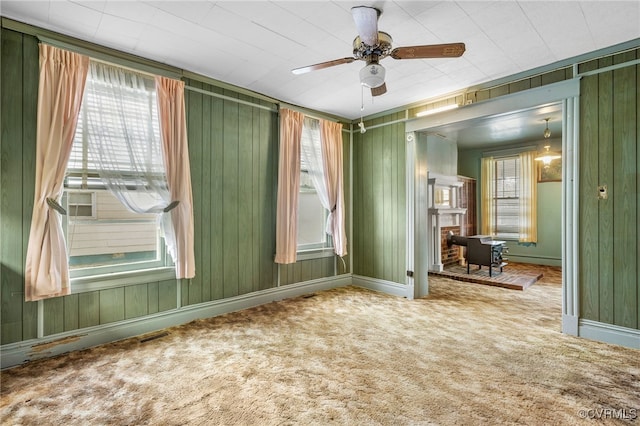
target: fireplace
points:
(445, 214)
(482, 250)
(449, 254)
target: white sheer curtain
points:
(331, 137)
(123, 141)
(311, 153)
(528, 220)
(486, 196)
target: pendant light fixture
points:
(547, 132)
(547, 156)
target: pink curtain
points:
(331, 140)
(288, 186)
(62, 79)
(173, 124)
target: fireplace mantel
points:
(446, 210)
(443, 211)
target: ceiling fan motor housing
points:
(381, 49)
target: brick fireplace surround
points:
(449, 255)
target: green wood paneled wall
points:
(379, 201)
(19, 72)
(609, 155)
(233, 151)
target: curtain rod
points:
(229, 98)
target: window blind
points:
(140, 113)
(507, 197)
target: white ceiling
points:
(255, 44)
(524, 126)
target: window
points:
(312, 216)
(507, 197)
(117, 116)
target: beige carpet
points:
(468, 354)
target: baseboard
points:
(389, 287)
(18, 353)
(609, 333)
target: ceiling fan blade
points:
(366, 19)
(380, 90)
(450, 50)
(322, 65)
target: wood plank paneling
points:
(53, 316)
(638, 187)
(626, 194)
(30, 81)
(152, 298)
(136, 301)
(609, 231)
(388, 195)
(357, 201)
(206, 195)
(230, 202)
(256, 210)
(11, 172)
(112, 303)
(267, 168)
(588, 210)
(343, 266)
(606, 165)
(89, 309)
(379, 202)
(167, 296)
(71, 312)
(192, 290)
(245, 200)
(400, 206)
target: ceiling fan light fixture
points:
(372, 75)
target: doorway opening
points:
(504, 124)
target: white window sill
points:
(315, 253)
(121, 279)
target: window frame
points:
(107, 276)
(319, 249)
(497, 229)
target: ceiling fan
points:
(372, 45)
